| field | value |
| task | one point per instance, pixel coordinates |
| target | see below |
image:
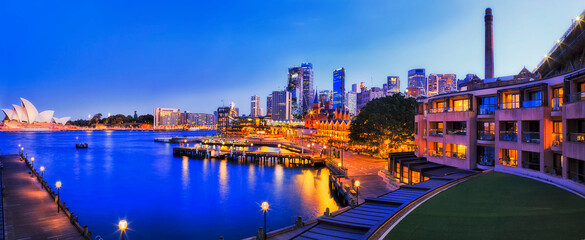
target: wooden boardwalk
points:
(29, 211)
(291, 159)
(364, 220)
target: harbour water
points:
(126, 175)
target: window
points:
(487, 105)
(486, 130)
(557, 133)
(508, 157)
(456, 151)
(534, 99)
(436, 129)
(485, 155)
(576, 128)
(510, 101)
(509, 131)
(531, 160)
(460, 105)
(437, 107)
(435, 149)
(531, 131)
(557, 101)
(457, 128)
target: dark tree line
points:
(117, 119)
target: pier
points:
(29, 211)
(290, 159)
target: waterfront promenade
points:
(29, 211)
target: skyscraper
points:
(281, 105)
(417, 79)
(255, 106)
(307, 87)
(269, 105)
(441, 83)
(432, 85)
(294, 87)
(393, 85)
(339, 88)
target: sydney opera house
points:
(27, 114)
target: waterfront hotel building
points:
(531, 124)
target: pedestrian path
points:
(29, 211)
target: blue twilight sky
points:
(85, 57)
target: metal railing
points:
(510, 105)
(436, 132)
(487, 109)
(577, 97)
(531, 137)
(532, 103)
(486, 135)
(457, 109)
(436, 110)
(557, 139)
(557, 104)
(435, 153)
(457, 131)
(508, 136)
(507, 161)
(577, 137)
(485, 160)
(455, 155)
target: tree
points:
(384, 124)
(148, 119)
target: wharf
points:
(215, 141)
(29, 211)
(292, 159)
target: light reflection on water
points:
(128, 175)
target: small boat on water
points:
(81, 145)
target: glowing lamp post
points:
(122, 225)
(357, 197)
(58, 185)
(42, 171)
(264, 209)
(279, 149)
(22, 150)
(32, 160)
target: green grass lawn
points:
(497, 206)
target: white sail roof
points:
(62, 120)
(30, 110)
(10, 114)
(45, 116)
(20, 113)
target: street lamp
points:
(357, 197)
(122, 225)
(264, 209)
(32, 160)
(58, 184)
(42, 171)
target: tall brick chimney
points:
(489, 44)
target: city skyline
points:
(107, 58)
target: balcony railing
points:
(486, 135)
(455, 155)
(436, 110)
(485, 160)
(510, 105)
(457, 131)
(508, 136)
(557, 104)
(435, 153)
(577, 97)
(577, 137)
(487, 109)
(577, 177)
(436, 132)
(532, 103)
(457, 109)
(531, 137)
(507, 161)
(557, 139)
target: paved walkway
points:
(29, 211)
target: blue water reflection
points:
(125, 174)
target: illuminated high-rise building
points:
(269, 105)
(339, 88)
(393, 85)
(255, 110)
(281, 105)
(417, 79)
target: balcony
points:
(532, 103)
(557, 139)
(511, 136)
(436, 132)
(510, 105)
(507, 161)
(577, 97)
(455, 155)
(435, 153)
(436, 110)
(457, 109)
(486, 135)
(457, 131)
(485, 160)
(487, 109)
(577, 137)
(531, 137)
(557, 104)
